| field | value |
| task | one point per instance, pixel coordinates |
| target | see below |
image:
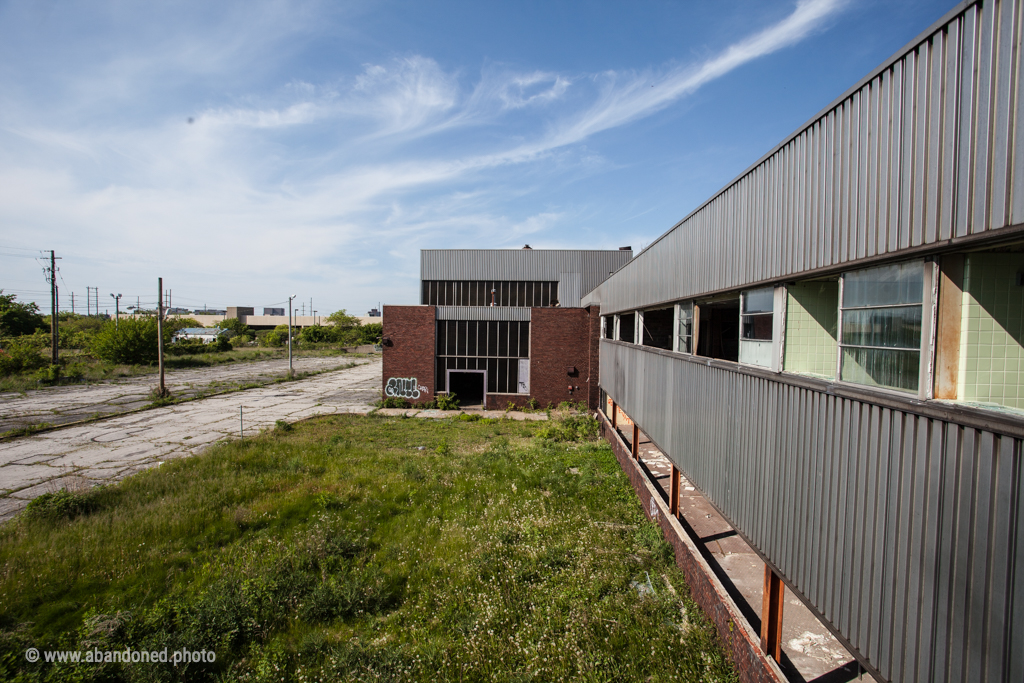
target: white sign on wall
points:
(524, 375)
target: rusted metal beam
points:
(673, 492)
(636, 442)
(614, 416)
(771, 614)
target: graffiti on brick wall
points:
(405, 387)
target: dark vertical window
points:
(627, 326)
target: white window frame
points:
(677, 326)
(929, 311)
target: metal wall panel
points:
(928, 147)
(482, 313)
(592, 267)
(905, 532)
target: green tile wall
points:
(991, 350)
(812, 316)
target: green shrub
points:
(272, 339)
(49, 374)
(242, 340)
(68, 338)
(283, 426)
(62, 504)
(132, 341)
(186, 347)
(447, 402)
(19, 356)
(319, 334)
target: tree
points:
(17, 318)
(237, 327)
(132, 341)
(342, 321)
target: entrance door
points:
(468, 386)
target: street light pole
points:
(117, 309)
(290, 334)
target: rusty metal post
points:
(771, 614)
(636, 442)
(673, 493)
(614, 416)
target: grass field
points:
(360, 548)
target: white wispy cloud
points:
(311, 177)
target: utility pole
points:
(51, 275)
(290, 334)
(72, 303)
(160, 332)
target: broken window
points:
(991, 363)
(656, 327)
(627, 327)
(880, 330)
(812, 327)
(718, 334)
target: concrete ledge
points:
(752, 665)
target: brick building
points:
(499, 326)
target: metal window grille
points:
(492, 345)
(532, 294)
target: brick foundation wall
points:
(410, 354)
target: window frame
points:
(926, 349)
(677, 327)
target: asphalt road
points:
(66, 404)
(111, 449)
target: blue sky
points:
(247, 151)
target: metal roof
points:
(576, 270)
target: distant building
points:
(273, 311)
(208, 335)
(499, 326)
(373, 313)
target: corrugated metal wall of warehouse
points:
(905, 532)
(928, 147)
(523, 264)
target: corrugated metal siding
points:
(905, 532)
(482, 313)
(927, 148)
(523, 264)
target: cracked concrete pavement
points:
(114, 448)
(64, 404)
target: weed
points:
(447, 401)
(283, 427)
